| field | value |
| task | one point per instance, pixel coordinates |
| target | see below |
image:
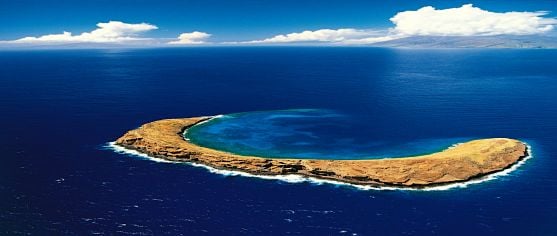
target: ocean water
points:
(307, 134)
(60, 108)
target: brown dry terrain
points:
(163, 139)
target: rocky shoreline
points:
(163, 139)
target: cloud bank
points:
(468, 20)
(322, 35)
(344, 36)
(109, 32)
(195, 37)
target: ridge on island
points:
(476, 158)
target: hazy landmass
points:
(505, 41)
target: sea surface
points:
(61, 108)
(307, 134)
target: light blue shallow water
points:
(306, 133)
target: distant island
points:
(499, 41)
(164, 139)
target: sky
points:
(183, 22)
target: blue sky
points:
(224, 20)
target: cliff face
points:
(163, 139)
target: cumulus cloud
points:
(468, 20)
(339, 36)
(322, 35)
(109, 32)
(195, 37)
(346, 35)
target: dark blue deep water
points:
(60, 108)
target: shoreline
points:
(304, 179)
(460, 164)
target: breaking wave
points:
(293, 178)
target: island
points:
(164, 139)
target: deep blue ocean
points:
(59, 109)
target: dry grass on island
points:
(163, 139)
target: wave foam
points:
(205, 121)
(292, 178)
(122, 150)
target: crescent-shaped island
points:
(164, 139)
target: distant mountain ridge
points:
(472, 42)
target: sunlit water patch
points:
(306, 133)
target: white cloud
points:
(334, 36)
(195, 37)
(322, 35)
(109, 32)
(468, 20)
(347, 35)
